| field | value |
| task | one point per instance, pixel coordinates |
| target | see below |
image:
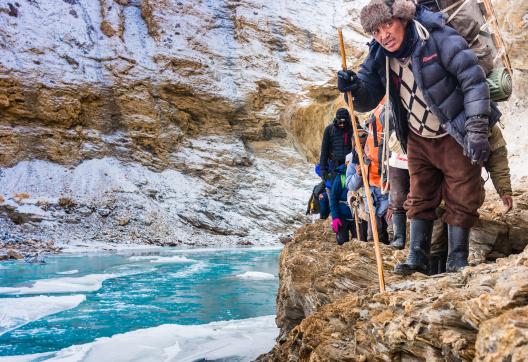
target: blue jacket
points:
(354, 182)
(324, 206)
(338, 198)
(446, 70)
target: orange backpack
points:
(374, 148)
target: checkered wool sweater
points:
(421, 120)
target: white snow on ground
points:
(15, 312)
(68, 272)
(253, 275)
(87, 283)
(239, 340)
(91, 246)
(89, 180)
(197, 205)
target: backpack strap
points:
(375, 132)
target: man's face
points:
(390, 34)
(341, 122)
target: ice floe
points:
(15, 312)
(69, 272)
(87, 283)
(156, 259)
(240, 340)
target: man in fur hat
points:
(443, 114)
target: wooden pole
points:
(374, 227)
(356, 218)
(492, 20)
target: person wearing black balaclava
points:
(336, 144)
(443, 114)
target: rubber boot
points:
(458, 248)
(442, 260)
(399, 224)
(418, 257)
(433, 265)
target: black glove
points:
(476, 144)
(324, 175)
(347, 81)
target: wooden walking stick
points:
(379, 259)
(356, 219)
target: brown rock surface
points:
(329, 307)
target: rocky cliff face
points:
(132, 79)
(101, 100)
(158, 121)
(329, 307)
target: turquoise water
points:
(140, 289)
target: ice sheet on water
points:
(15, 312)
(241, 340)
(68, 272)
(254, 275)
(156, 259)
(87, 283)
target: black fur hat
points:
(381, 11)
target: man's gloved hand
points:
(476, 144)
(336, 224)
(347, 81)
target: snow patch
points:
(15, 312)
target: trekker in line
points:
(399, 189)
(372, 148)
(343, 221)
(336, 144)
(498, 169)
(443, 114)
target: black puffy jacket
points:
(446, 70)
(337, 143)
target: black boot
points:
(433, 265)
(418, 258)
(458, 248)
(442, 260)
(399, 225)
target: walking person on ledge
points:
(443, 115)
(336, 144)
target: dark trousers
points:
(439, 170)
(381, 225)
(349, 226)
(399, 188)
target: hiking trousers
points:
(399, 188)
(439, 170)
(349, 226)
